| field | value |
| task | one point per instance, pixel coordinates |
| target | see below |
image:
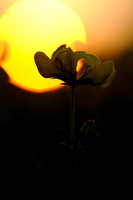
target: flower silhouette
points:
(63, 66)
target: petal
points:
(93, 60)
(46, 67)
(71, 59)
(88, 61)
(89, 58)
(83, 68)
(69, 65)
(61, 49)
(110, 77)
(102, 75)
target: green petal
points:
(71, 59)
(102, 75)
(89, 58)
(69, 65)
(89, 61)
(93, 60)
(46, 67)
(82, 71)
(61, 49)
(110, 77)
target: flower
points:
(63, 65)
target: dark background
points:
(30, 122)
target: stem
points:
(72, 113)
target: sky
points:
(108, 29)
(108, 24)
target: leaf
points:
(46, 67)
(91, 129)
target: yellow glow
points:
(37, 25)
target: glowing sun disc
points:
(37, 25)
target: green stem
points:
(72, 113)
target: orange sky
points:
(108, 24)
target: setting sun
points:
(29, 26)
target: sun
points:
(29, 26)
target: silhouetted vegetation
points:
(37, 150)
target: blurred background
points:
(29, 120)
